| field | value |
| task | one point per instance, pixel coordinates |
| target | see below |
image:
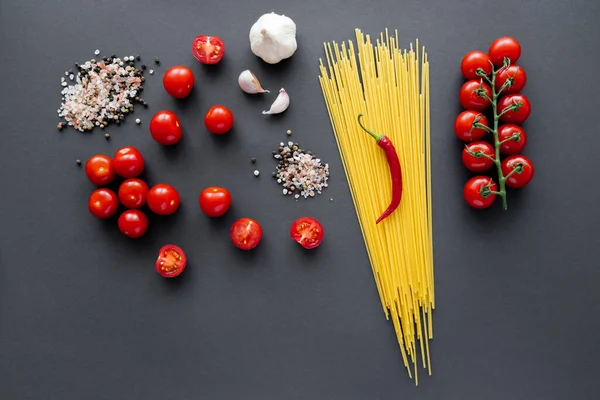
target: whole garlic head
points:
(273, 37)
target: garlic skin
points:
(273, 37)
(249, 83)
(280, 104)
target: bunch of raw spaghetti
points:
(390, 86)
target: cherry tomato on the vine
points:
(504, 47)
(514, 145)
(471, 98)
(133, 223)
(477, 192)
(523, 174)
(128, 162)
(474, 60)
(518, 76)
(100, 170)
(474, 156)
(307, 231)
(103, 203)
(165, 127)
(178, 81)
(218, 119)
(522, 105)
(133, 193)
(245, 233)
(163, 199)
(214, 201)
(171, 261)
(208, 49)
(463, 126)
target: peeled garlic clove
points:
(249, 83)
(280, 104)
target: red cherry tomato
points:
(100, 170)
(218, 119)
(128, 162)
(214, 201)
(178, 81)
(103, 203)
(524, 171)
(477, 192)
(504, 47)
(307, 231)
(472, 161)
(463, 126)
(473, 60)
(171, 261)
(163, 199)
(516, 100)
(165, 128)
(133, 193)
(133, 223)
(245, 233)
(512, 146)
(208, 49)
(469, 97)
(519, 79)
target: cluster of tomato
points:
(513, 108)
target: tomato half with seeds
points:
(474, 156)
(521, 108)
(133, 193)
(514, 139)
(133, 223)
(103, 203)
(208, 49)
(478, 192)
(307, 231)
(163, 199)
(215, 201)
(218, 119)
(516, 74)
(178, 81)
(100, 170)
(245, 233)
(523, 168)
(472, 95)
(171, 261)
(504, 47)
(128, 162)
(463, 126)
(165, 128)
(474, 60)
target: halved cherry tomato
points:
(245, 233)
(474, 60)
(103, 203)
(100, 170)
(463, 126)
(165, 128)
(171, 261)
(504, 47)
(518, 76)
(512, 146)
(218, 119)
(471, 99)
(133, 193)
(474, 156)
(178, 81)
(128, 162)
(518, 101)
(215, 201)
(133, 223)
(477, 192)
(163, 199)
(208, 49)
(523, 174)
(307, 231)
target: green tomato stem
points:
(497, 161)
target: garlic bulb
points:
(249, 83)
(280, 104)
(273, 37)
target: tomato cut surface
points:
(171, 261)
(307, 231)
(245, 233)
(208, 49)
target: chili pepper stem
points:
(375, 136)
(497, 143)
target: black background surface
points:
(83, 315)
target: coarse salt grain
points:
(151, 71)
(256, 173)
(138, 121)
(97, 52)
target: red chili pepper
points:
(395, 171)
